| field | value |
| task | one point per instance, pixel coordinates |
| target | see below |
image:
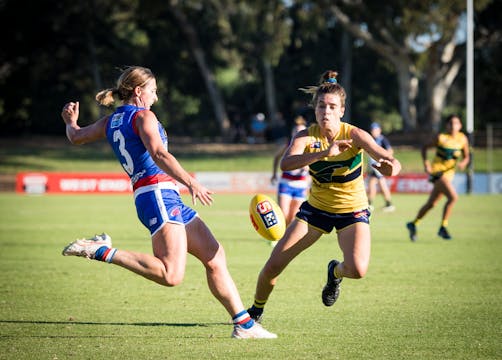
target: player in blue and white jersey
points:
(294, 184)
(140, 144)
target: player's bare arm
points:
(466, 157)
(386, 163)
(81, 135)
(149, 133)
(423, 153)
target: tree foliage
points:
(228, 59)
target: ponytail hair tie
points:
(331, 80)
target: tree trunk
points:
(270, 92)
(438, 82)
(200, 58)
(346, 73)
(408, 91)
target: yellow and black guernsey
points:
(448, 150)
(337, 181)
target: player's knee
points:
(452, 198)
(171, 281)
(216, 265)
(429, 205)
(357, 271)
(173, 278)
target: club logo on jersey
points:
(116, 120)
(315, 145)
(267, 214)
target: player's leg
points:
(294, 207)
(354, 240)
(432, 200)
(169, 240)
(166, 268)
(203, 245)
(434, 197)
(451, 198)
(298, 237)
(355, 243)
(382, 182)
(162, 212)
(285, 200)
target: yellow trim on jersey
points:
(337, 181)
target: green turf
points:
(433, 299)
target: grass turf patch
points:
(425, 300)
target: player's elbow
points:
(286, 165)
(75, 140)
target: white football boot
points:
(87, 247)
(254, 332)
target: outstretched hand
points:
(388, 167)
(200, 192)
(339, 146)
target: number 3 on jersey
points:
(128, 165)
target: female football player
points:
(333, 151)
(450, 146)
(140, 145)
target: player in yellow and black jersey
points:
(333, 150)
(450, 147)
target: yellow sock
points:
(337, 273)
(416, 221)
(259, 304)
(444, 223)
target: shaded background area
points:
(219, 63)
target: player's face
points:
(454, 125)
(329, 110)
(149, 93)
(376, 132)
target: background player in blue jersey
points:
(140, 144)
(293, 185)
(375, 177)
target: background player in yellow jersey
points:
(333, 151)
(450, 146)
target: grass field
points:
(432, 299)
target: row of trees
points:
(217, 61)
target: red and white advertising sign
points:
(220, 182)
(52, 182)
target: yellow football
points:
(267, 217)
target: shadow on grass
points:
(69, 322)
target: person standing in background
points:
(293, 185)
(375, 177)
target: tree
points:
(420, 40)
(192, 37)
